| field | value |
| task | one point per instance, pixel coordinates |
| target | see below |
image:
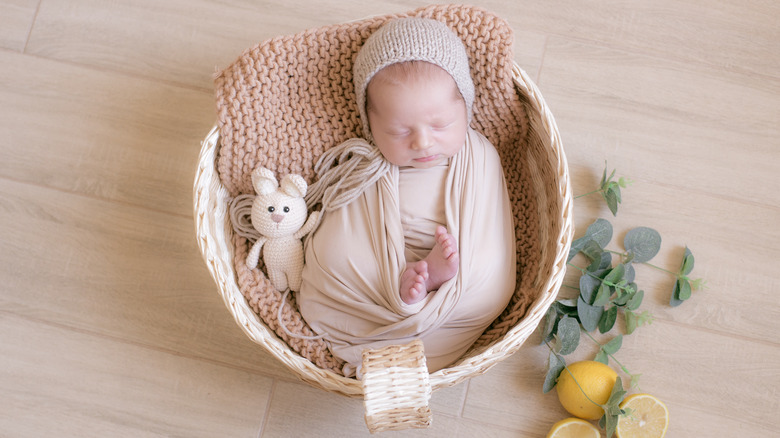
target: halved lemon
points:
(574, 428)
(648, 418)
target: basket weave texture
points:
(287, 100)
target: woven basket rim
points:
(214, 235)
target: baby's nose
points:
(422, 140)
(277, 217)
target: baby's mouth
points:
(427, 158)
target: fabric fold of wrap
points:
(355, 259)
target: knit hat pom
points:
(412, 39)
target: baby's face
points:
(419, 122)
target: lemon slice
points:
(648, 418)
(574, 428)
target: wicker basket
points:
(540, 190)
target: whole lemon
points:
(595, 378)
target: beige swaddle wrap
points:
(354, 260)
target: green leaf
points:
(635, 380)
(643, 243)
(616, 274)
(631, 322)
(685, 289)
(556, 365)
(589, 315)
(645, 318)
(612, 408)
(588, 287)
(566, 306)
(600, 231)
(687, 264)
(608, 319)
(602, 263)
(630, 272)
(603, 294)
(592, 250)
(614, 345)
(613, 199)
(636, 300)
(602, 357)
(550, 321)
(622, 298)
(568, 335)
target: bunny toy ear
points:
(264, 181)
(294, 185)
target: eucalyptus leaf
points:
(600, 231)
(643, 243)
(608, 319)
(636, 300)
(568, 335)
(613, 411)
(635, 380)
(602, 263)
(556, 365)
(565, 307)
(592, 250)
(685, 289)
(589, 315)
(577, 246)
(602, 295)
(623, 296)
(602, 357)
(616, 274)
(588, 287)
(613, 199)
(631, 322)
(687, 265)
(614, 345)
(675, 300)
(550, 321)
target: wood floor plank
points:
(58, 382)
(729, 35)
(716, 385)
(124, 272)
(178, 41)
(742, 288)
(183, 41)
(16, 19)
(111, 325)
(665, 121)
(318, 408)
(101, 134)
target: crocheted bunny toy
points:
(279, 214)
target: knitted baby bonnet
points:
(412, 39)
(346, 170)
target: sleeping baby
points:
(420, 244)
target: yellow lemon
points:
(595, 378)
(648, 418)
(574, 428)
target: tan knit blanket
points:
(285, 101)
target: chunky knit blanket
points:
(287, 100)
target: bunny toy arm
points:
(310, 224)
(254, 254)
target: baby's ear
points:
(264, 181)
(294, 185)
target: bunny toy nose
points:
(277, 217)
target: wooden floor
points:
(110, 325)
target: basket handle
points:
(396, 389)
